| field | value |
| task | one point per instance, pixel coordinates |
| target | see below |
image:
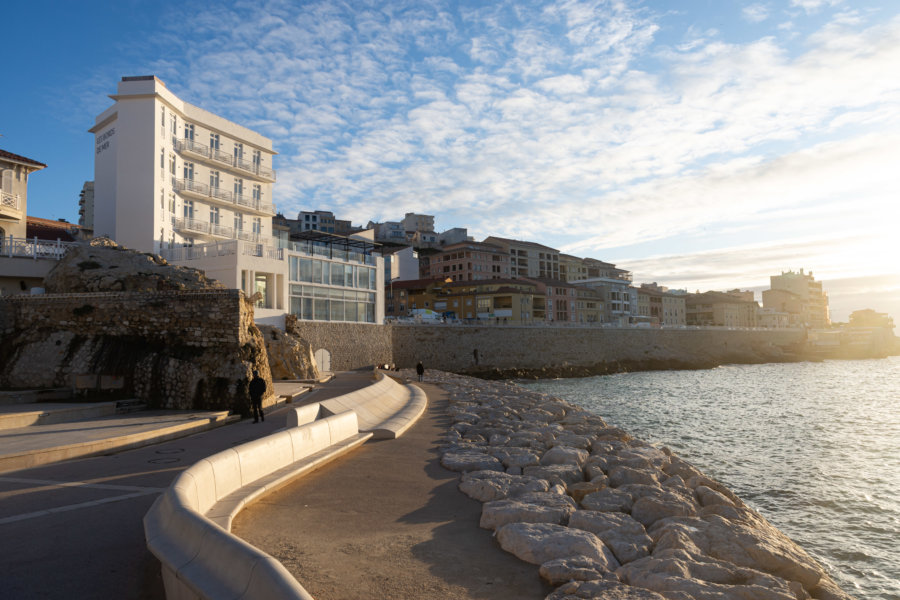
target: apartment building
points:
(506, 301)
(210, 180)
(317, 220)
(470, 261)
(718, 309)
(175, 179)
(800, 295)
(560, 299)
(528, 259)
(660, 306)
(86, 206)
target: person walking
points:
(420, 370)
(257, 391)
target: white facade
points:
(169, 174)
(174, 179)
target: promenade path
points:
(386, 521)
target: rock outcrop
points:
(101, 265)
(617, 517)
(289, 356)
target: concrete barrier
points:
(188, 527)
(386, 408)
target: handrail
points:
(12, 247)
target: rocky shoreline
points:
(604, 515)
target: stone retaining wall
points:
(352, 345)
(176, 349)
(451, 348)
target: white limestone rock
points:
(533, 507)
(650, 509)
(566, 474)
(486, 486)
(751, 542)
(608, 500)
(603, 589)
(564, 455)
(679, 574)
(571, 568)
(470, 460)
(538, 543)
(627, 538)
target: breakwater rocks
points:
(604, 515)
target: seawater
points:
(814, 447)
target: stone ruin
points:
(167, 335)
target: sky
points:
(701, 144)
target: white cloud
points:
(755, 13)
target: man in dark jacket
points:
(420, 370)
(257, 391)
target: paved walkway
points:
(387, 521)
(73, 529)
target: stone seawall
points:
(524, 349)
(350, 345)
(178, 349)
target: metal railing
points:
(34, 248)
(232, 247)
(189, 145)
(201, 189)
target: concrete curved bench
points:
(386, 408)
(188, 527)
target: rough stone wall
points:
(184, 349)
(352, 345)
(451, 348)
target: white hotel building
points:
(174, 179)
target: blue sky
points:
(700, 144)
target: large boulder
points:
(101, 265)
(289, 356)
(538, 543)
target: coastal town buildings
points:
(799, 295)
(317, 220)
(528, 259)
(175, 179)
(661, 306)
(720, 309)
(470, 261)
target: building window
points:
(172, 203)
(188, 209)
(257, 159)
(257, 225)
(189, 131)
(257, 192)
(238, 222)
(238, 188)
(214, 215)
(162, 117)
(162, 159)
(173, 123)
(172, 164)
(214, 141)
(189, 171)
(238, 151)
(214, 180)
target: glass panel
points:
(296, 290)
(317, 271)
(348, 276)
(361, 308)
(363, 278)
(337, 310)
(294, 268)
(321, 309)
(295, 305)
(370, 313)
(307, 309)
(306, 270)
(337, 274)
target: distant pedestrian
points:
(420, 370)
(475, 355)
(257, 391)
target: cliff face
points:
(289, 356)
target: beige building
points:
(718, 309)
(470, 261)
(14, 170)
(528, 259)
(799, 295)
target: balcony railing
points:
(197, 226)
(197, 188)
(34, 248)
(196, 148)
(9, 200)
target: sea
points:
(813, 446)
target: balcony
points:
(189, 187)
(190, 147)
(187, 146)
(9, 202)
(189, 225)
